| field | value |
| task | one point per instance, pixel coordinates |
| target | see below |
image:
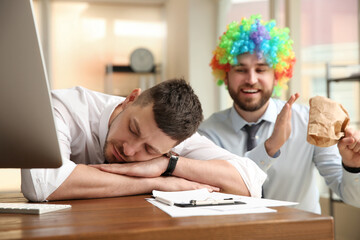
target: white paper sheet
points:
(253, 205)
(174, 211)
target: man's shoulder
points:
(215, 125)
(77, 91)
(82, 96)
(296, 107)
(218, 117)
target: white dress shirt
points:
(82, 118)
(290, 174)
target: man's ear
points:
(275, 80)
(131, 97)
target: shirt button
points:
(256, 137)
(356, 179)
(262, 162)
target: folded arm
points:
(203, 162)
(87, 182)
(282, 128)
(218, 173)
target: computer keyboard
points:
(31, 208)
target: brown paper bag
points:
(327, 122)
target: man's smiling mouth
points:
(250, 90)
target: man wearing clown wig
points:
(255, 60)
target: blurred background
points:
(90, 42)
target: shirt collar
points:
(238, 122)
(271, 113)
(104, 120)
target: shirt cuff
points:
(261, 157)
(252, 175)
(350, 169)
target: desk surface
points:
(134, 218)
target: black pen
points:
(212, 202)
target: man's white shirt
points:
(82, 118)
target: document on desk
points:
(203, 203)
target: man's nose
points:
(130, 149)
(252, 77)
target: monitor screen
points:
(27, 129)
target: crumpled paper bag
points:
(327, 122)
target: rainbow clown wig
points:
(254, 35)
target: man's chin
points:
(252, 105)
(111, 159)
(249, 107)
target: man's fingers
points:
(112, 168)
(286, 109)
(293, 98)
(351, 140)
(95, 165)
(345, 143)
(212, 188)
(351, 133)
(357, 148)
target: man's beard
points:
(250, 106)
(107, 160)
(104, 152)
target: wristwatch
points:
(173, 158)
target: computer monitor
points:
(27, 129)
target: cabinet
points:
(121, 79)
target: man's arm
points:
(349, 148)
(282, 128)
(219, 173)
(230, 173)
(88, 182)
(215, 172)
(342, 182)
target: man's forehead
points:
(146, 128)
(253, 58)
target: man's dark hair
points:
(176, 108)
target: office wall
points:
(10, 180)
(202, 41)
(187, 47)
(86, 36)
(191, 38)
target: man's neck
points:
(253, 116)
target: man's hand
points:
(180, 184)
(349, 148)
(153, 169)
(282, 128)
(148, 169)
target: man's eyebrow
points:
(138, 132)
(240, 65)
(262, 64)
(137, 128)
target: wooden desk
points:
(135, 218)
